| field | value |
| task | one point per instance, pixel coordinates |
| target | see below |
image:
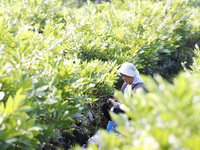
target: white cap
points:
(127, 69)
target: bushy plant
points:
(57, 91)
(57, 85)
(149, 33)
(164, 118)
(19, 128)
(55, 59)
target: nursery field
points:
(57, 61)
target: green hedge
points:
(164, 118)
(56, 59)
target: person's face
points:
(127, 79)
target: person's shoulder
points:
(140, 85)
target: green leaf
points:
(19, 100)
(9, 106)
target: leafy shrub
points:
(57, 93)
(145, 32)
(195, 67)
(57, 85)
(61, 58)
(164, 118)
(19, 128)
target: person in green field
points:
(131, 76)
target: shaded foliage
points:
(56, 59)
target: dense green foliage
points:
(55, 94)
(164, 118)
(55, 59)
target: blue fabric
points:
(111, 127)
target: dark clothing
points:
(117, 110)
(105, 108)
(135, 87)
